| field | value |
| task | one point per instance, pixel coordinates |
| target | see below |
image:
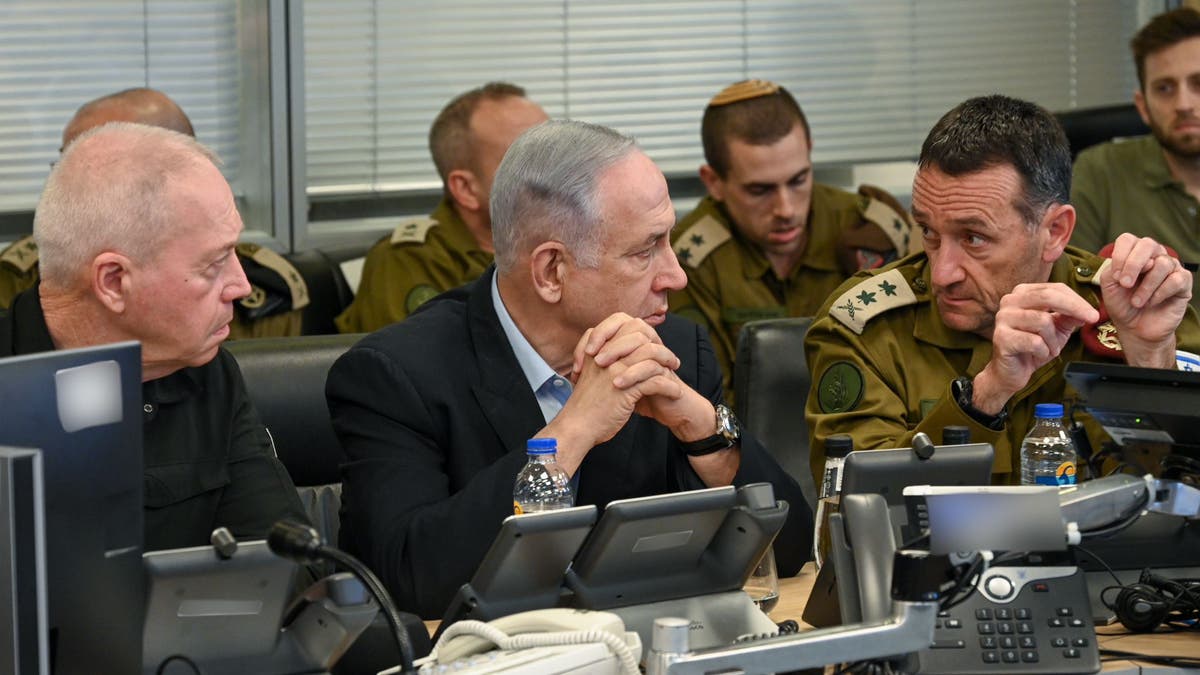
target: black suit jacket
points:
(434, 412)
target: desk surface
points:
(794, 592)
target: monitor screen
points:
(82, 410)
(1133, 404)
(1144, 406)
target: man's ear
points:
(110, 278)
(712, 182)
(1139, 102)
(1058, 223)
(464, 189)
(547, 265)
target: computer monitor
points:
(1139, 406)
(81, 410)
(1152, 405)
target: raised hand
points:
(1146, 293)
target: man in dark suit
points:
(434, 412)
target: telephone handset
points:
(542, 627)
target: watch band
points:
(963, 390)
(729, 432)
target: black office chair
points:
(328, 291)
(285, 378)
(770, 384)
(1086, 127)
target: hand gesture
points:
(1033, 325)
(1146, 293)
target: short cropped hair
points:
(1165, 30)
(109, 192)
(996, 130)
(450, 141)
(545, 189)
(757, 121)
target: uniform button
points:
(1083, 271)
(918, 285)
(149, 408)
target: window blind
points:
(872, 77)
(54, 56)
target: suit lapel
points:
(501, 389)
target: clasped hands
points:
(621, 367)
(1146, 293)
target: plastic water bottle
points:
(1047, 453)
(830, 490)
(542, 485)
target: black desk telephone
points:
(1029, 616)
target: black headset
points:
(1155, 600)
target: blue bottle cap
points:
(1047, 410)
(541, 446)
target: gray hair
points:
(109, 192)
(545, 189)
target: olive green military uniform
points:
(18, 269)
(277, 295)
(420, 259)
(883, 362)
(731, 282)
(273, 308)
(1126, 186)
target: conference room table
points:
(794, 592)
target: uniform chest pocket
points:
(173, 483)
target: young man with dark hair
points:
(768, 242)
(1149, 185)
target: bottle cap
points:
(541, 446)
(956, 435)
(1047, 410)
(838, 445)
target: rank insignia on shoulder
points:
(871, 297)
(22, 254)
(413, 231)
(895, 227)
(699, 240)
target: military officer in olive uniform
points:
(278, 292)
(978, 328)
(426, 256)
(768, 242)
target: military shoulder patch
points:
(279, 265)
(699, 240)
(841, 387)
(22, 254)
(418, 296)
(894, 225)
(870, 298)
(413, 231)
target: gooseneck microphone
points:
(303, 543)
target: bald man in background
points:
(278, 292)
